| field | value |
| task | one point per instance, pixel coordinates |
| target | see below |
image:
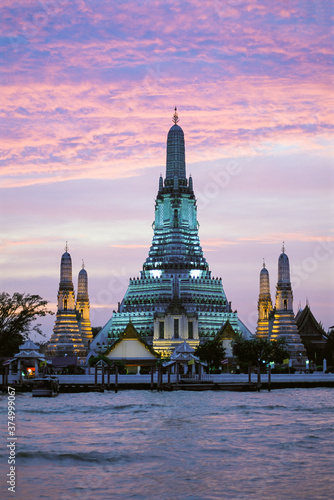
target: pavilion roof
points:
(29, 354)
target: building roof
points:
(28, 345)
(182, 349)
(226, 332)
(29, 354)
(308, 326)
(29, 350)
(130, 333)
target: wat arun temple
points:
(175, 298)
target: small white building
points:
(132, 350)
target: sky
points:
(88, 90)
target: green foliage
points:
(258, 351)
(145, 370)
(95, 330)
(284, 370)
(74, 370)
(314, 353)
(17, 314)
(212, 352)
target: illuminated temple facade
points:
(279, 322)
(284, 324)
(264, 306)
(175, 298)
(72, 331)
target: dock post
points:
(177, 373)
(116, 379)
(258, 378)
(152, 374)
(108, 378)
(324, 365)
(158, 379)
(199, 372)
(249, 374)
(269, 377)
(102, 375)
(168, 370)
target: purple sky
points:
(87, 96)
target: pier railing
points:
(189, 377)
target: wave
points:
(133, 405)
(92, 408)
(89, 457)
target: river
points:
(173, 445)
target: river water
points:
(173, 445)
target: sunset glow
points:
(88, 90)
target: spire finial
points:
(264, 263)
(175, 116)
(283, 248)
(83, 264)
(66, 247)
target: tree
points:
(256, 352)
(329, 348)
(95, 359)
(17, 314)
(212, 352)
(95, 330)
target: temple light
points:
(156, 273)
(195, 273)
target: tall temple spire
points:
(176, 162)
(265, 305)
(82, 285)
(175, 298)
(66, 338)
(66, 271)
(175, 242)
(283, 268)
(83, 307)
(284, 324)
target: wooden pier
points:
(239, 383)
